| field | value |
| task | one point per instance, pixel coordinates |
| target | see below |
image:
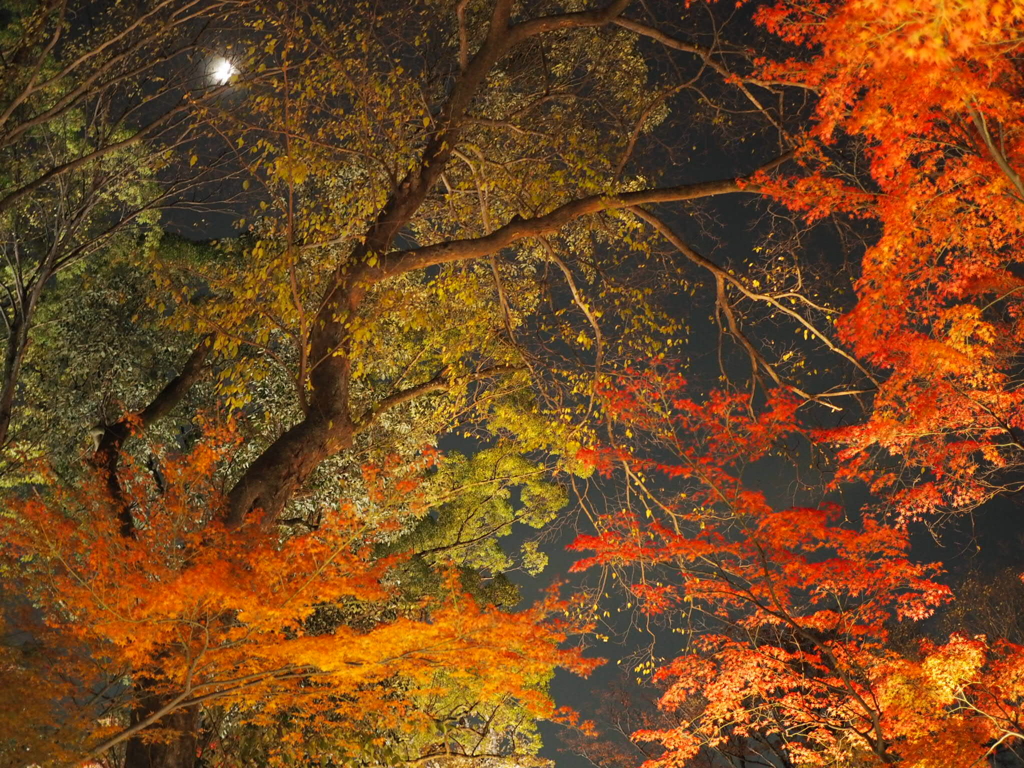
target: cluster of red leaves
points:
(204, 613)
(934, 90)
(795, 605)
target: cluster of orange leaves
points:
(934, 91)
(793, 607)
(207, 614)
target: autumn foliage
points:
(309, 626)
(452, 232)
(932, 94)
(801, 652)
(792, 608)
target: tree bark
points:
(17, 345)
(176, 748)
(271, 479)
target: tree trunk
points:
(17, 344)
(271, 479)
(174, 748)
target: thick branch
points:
(402, 262)
(108, 452)
(17, 346)
(597, 17)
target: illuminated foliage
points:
(792, 609)
(312, 626)
(932, 92)
(447, 229)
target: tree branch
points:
(596, 17)
(439, 383)
(665, 231)
(107, 455)
(402, 262)
(997, 154)
(705, 55)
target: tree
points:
(198, 613)
(97, 101)
(453, 229)
(935, 109)
(795, 654)
(432, 175)
(791, 610)
(397, 152)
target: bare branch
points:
(662, 228)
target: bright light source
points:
(222, 71)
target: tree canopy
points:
(329, 324)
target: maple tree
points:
(931, 92)
(794, 660)
(789, 612)
(241, 618)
